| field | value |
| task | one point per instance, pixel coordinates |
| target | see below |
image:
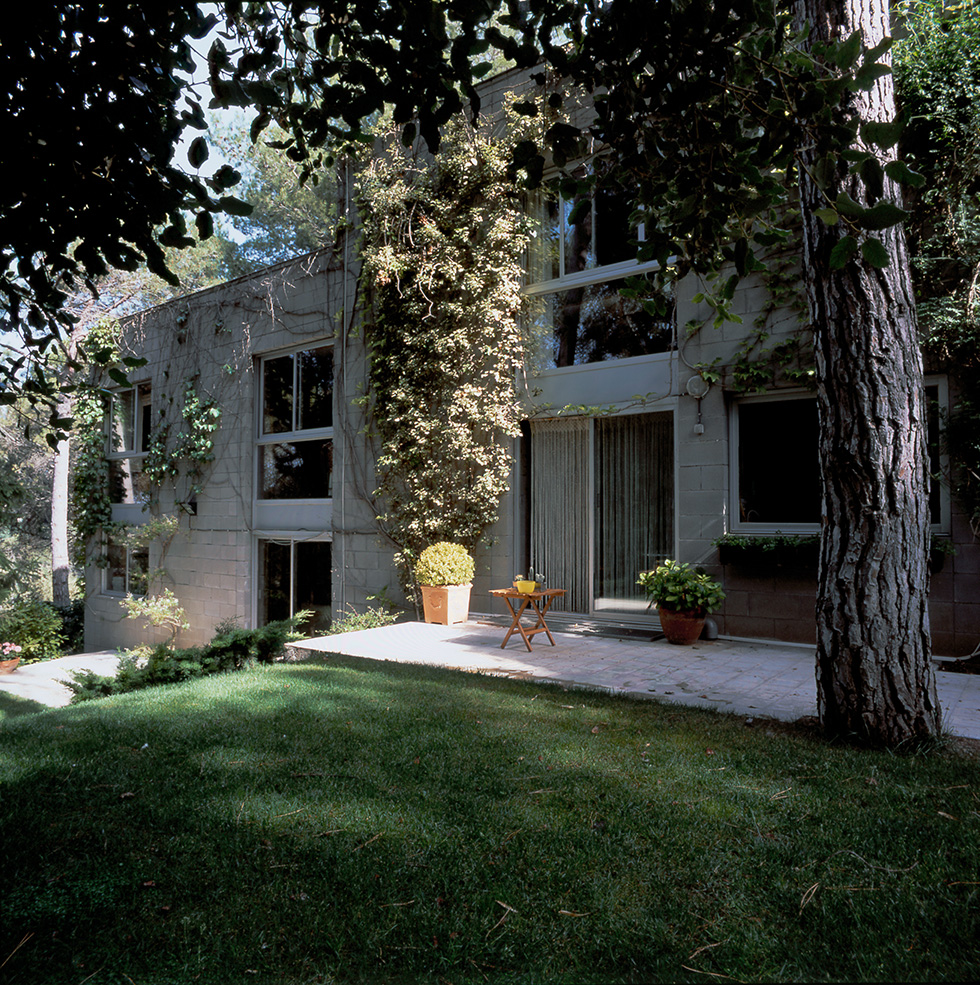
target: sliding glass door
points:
(602, 507)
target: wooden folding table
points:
(538, 602)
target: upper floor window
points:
(129, 440)
(581, 250)
(575, 236)
(129, 427)
(295, 441)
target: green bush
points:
(351, 622)
(675, 587)
(232, 648)
(35, 626)
(444, 564)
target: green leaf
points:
(824, 171)
(847, 207)
(899, 171)
(234, 206)
(118, 376)
(846, 53)
(205, 224)
(873, 177)
(883, 135)
(866, 76)
(843, 252)
(197, 153)
(829, 216)
(881, 216)
(875, 253)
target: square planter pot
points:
(446, 604)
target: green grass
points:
(339, 823)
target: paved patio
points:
(748, 678)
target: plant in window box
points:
(683, 599)
(444, 572)
(767, 551)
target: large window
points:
(602, 507)
(129, 440)
(581, 250)
(127, 570)
(776, 467)
(294, 575)
(295, 443)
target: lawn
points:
(337, 822)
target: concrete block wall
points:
(212, 338)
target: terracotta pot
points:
(680, 627)
(446, 604)
(9, 666)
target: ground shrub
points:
(231, 649)
(72, 625)
(35, 626)
(352, 621)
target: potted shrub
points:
(683, 599)
(444, 573)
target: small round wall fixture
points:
(698, 386)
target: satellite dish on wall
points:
(698, 386)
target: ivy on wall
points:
(176, 445)
(443, 245)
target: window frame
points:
(290, 538)
(593, 275)
(296, 435)
(142, 397)
(738, 526)
(128, 552)
(606, 274)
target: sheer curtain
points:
(602, 506)
(560, 479)
(634, 504)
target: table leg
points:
(516, 624)
(541, 624)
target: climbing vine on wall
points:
(175, 446)
(443, 248)
(191, 449)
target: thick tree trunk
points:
(60, 593)
(874, 676)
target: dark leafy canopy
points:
(706, 104)
(88, 180)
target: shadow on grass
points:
(12, 706)
(364, 822)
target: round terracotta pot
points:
(9, 666)
(680, 627)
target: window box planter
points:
(767, 552)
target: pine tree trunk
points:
(874, 676)
(60, 593)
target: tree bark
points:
(874, 675)
(60, 593)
